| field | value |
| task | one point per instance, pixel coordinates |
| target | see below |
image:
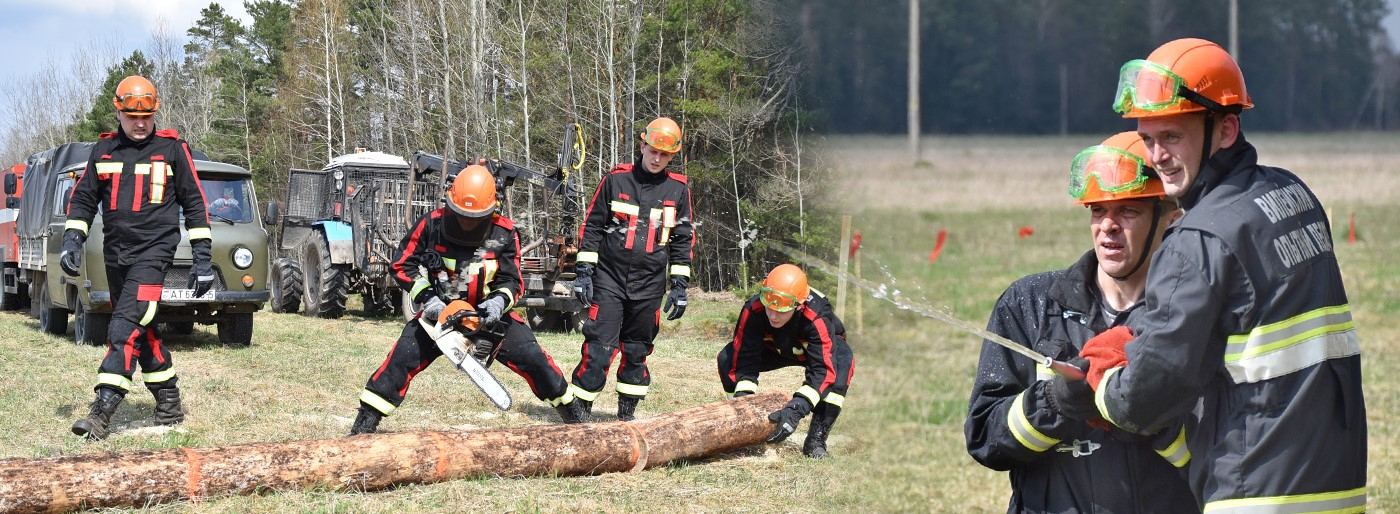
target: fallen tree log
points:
(377, 461)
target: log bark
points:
(377, 461)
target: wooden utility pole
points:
(916, 153)
(841, 263)
(379, 461)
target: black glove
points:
(675, 301)
(787, 417)
(491, 309)
(583, 283)
(1072, 398)
(202, 272)
(72, 255)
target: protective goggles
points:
(1147, 86)
(661, 138)
(777, 300)
(1115, 170)
(142, 104)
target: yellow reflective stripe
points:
(201, 233)
(490, 266)
(143, 168)
(1043, 372)
(1022, 430)
(591, 257)
(1100, 395)
(810, 393)
(158, 377)
(1177, 454)
(368, 397)
(418, 287)
(680, 270)
(449, 263)
(114, 380)
(150, 313)
(799, 350)
(835, 399)
(108, 168)
(654, 215)
(631, 389)
(79, 225)
(746, 385)
(563, 399)
(510, 298)
(668, 217)
(585, 395)
(159, 171)
(1353, 500)
(1277, 349)
(625, 208)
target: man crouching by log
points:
(801, 330)
(472, 246)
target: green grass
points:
(898, 446)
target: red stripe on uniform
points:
(411, 247)
(830, 377)
(528, 380)
(148, 292)
(136, 195)
(739, 343)
(154, 343)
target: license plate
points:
(184, 295)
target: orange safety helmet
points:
(1116, 169)
(784, 289)
(473, 193)
(663, 134)
(1185, 75)
(136, 96)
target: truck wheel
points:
(52, 319)
(326, 284)
(286, 282)
(378, 301)
(9, 301)
(90, 328)
(406, 306)
(236, 329)
(544, 320)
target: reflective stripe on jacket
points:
(638, 231)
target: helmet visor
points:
(1146, 86)
(777, 300)
(143, 104)
(1115, 170)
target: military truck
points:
(239, 254)
(13, 295)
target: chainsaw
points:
(464, 340)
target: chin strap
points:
(1147, 245)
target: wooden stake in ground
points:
(378, 461)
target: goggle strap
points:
(1184, 92)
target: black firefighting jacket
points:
(1058, 464)
(637, 222)
(479, 263)
(814, 336)
(1246, 321)
(142, 187)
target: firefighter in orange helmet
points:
(1246, 322)
(479, 250)
(1040, 426)
(790, 324)
(144, 182)
(637, 232)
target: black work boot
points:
(586, 407)
(168, 408)
(366, 422)
(626, 407)
(573, 412)
(94, 426)
(817, 431)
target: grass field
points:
(897, 448)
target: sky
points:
(34, 32)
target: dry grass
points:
(898, 447)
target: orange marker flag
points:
(938, 247)
(1025, 232)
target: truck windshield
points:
(227, 199)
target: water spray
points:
(884, 293)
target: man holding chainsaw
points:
(1041, 426)
(465, 252)
(1246, 324)
(636, 233)
(791, 324)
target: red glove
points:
(1104, 352)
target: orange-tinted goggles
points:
(662, 139)
(137, 104)
(778, 300)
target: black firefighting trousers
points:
(613, 320)
(131, 339)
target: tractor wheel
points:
(326, 284)
(378, 301)
(90, 328)
(406, 306)
(236, 330)
(544, 320)
(286, 282)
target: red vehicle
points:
(13, 293)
